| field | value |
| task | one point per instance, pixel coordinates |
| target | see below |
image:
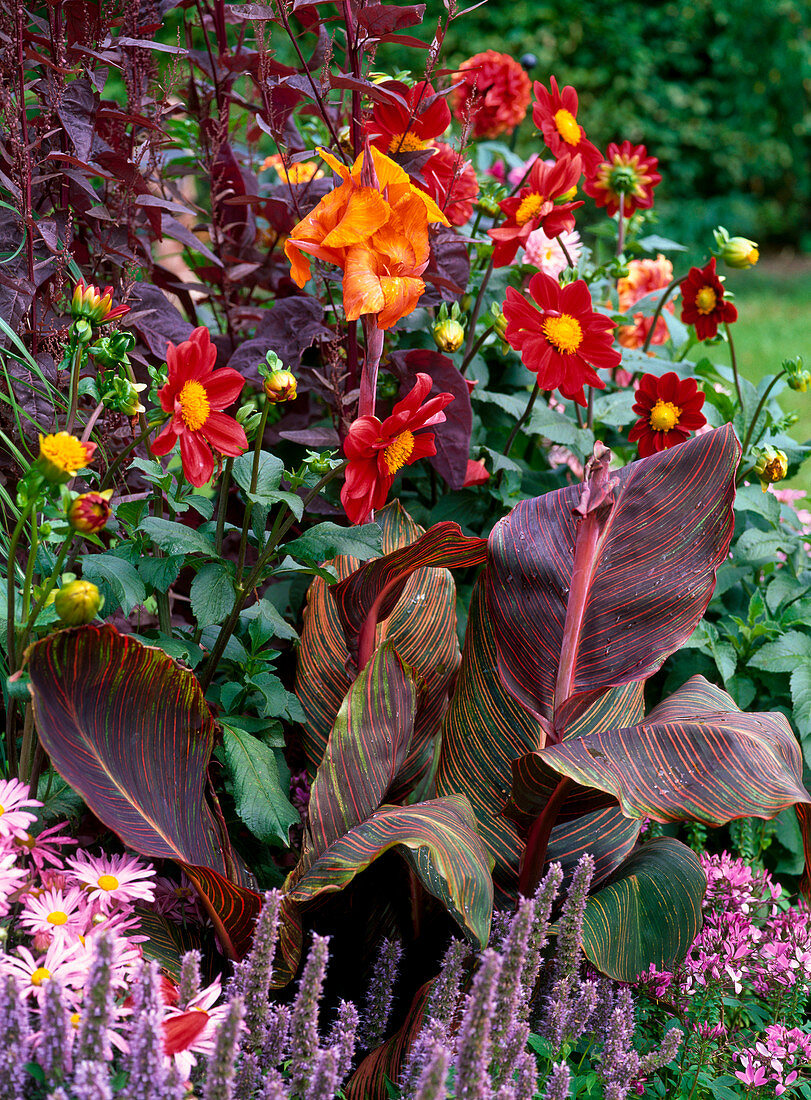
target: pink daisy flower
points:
(56, 912)
(44, 848)
(14, 821)
(178, 900)
(67, 962)
(193, 1030)
(11, 880)
(113, 879)
(546, 253)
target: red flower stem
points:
(246, 523)
(90, 425)
(657, 313)
(467, 359)
(590, 411)
(471, 332)
(756, 415)
(565, 252)
(578, 416)
(538, 840)
(621, 227)
(368, 378)
(734, 361)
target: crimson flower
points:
(626, 177)
(451, 182)
(703, 304)
(669, 409)
(195, 395)
(555, 115)
(494, 93)
(411, 124)
(538, 206)
(559, 336)
(376, 451)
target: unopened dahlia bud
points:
(89, 512)
(449, 332)
(771, 466)
(798, 378)
(736, 251)
(94, 305)
(280, 386)
(78, 603)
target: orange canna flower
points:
(378, 236)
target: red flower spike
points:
(376, 451)
(395, 128)
(195, 395)
(703, 303)
(627, 175)
(537, 206)
(451, 182)
(669, 409)
(559, 336)
(495, 93)
(555, 115)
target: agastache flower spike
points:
(473, 1048)
(304, 1021)
(557, 1087)
(189, 985)
(15, 1050)
(432, 1083)
(91, 1081)
(325, 1076)
(53, 1050)
(342, 1037)
(380, 995)
(146, 1061)
(252, 978)
(222, 1063)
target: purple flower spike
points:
(473, 1049)
(304, 1021)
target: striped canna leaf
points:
(648, 913)
(607, 835)
(129, 729)
(651, 537)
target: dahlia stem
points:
(162, 598)
(657, 313)
(734, 361)
(11, 594)
(477, 307)
(90, 425)
(621, 227)
(368, 378)
(29, 567)
(565, 252)
(590, 411)
(246, 523)
(756, 415)
(75, 368)
(46, 591)
(523, 418)
(468, 358)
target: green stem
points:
(75, 370)
(759, 410)
(734, 360)
(222, 504)
(11, 593)
(277, 533)
(246, 523)
(114, 466)
(657, 313)
(590, 411)
(536, 389)
(467, 359)
(29, 567)
(621, 227)
(162, 598)
(471, 332)
(46, 591)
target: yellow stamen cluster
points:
(107, 882)
(398, 452)
(57, 917)
(40, 975)
(567, 126)
(563, 333)
(664, 416)
(194, 405)
(706, 300)
(529, 208)
(61, 456)
(407, 143)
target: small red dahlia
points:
(703, 304)
(539, 205)
(452, 183)
(495, 92)
(376, 451)
(555, 115)
(195, 395)
(627, 177)
(559, 336)
(411, 124)
(669, 409)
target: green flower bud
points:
(771, 466)
(81, 331)
(736, 251)
(78, 603)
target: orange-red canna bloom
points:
(376, 451)
(626, 176)
(195, 395)
(494, 92)
(452, 183)
(644, 277)
(378, 236)
(539, 205)
(410, 124)
(669, 408)
(555, 115)
(559, 336)
(703, 303)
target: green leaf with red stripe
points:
(660, 531)
(365, 752)
(648, 913)
(438, 841)
(607, 835)
(129, 729)
(422, 628)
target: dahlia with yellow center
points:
(625, 179)
(194, 405)
(61, 456)
(703, 302)
(555, 115)
(398, 452)
(706, 300)
(664, 415)
(564, 333)
(669, 408)
(542, 204)
(567, 126)
(406, 119)
(407, 143)
(528, 209)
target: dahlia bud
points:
(736, 251)
(771, 466)
(798, 378)
(94, 305)
(449, 332)
(111, 351)
(250, 418)
(81, 331)
(78, 603)
(123, 396)
(61, 456)
(89, 512)
(280, 386)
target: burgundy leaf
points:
(289, 328)
(448, 267)
(155, 319)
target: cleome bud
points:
(78, 603)
(89, 512)
(771, 465)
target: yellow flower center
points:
(2, 810)
(529, 208)
(706, 299)
(398, 452)
(563, 333)
(753, 256)
(40, 975)
(568, 126)
(194, 406)
(664, 415)
(108, 882)
(57, 917)
(406, 143)
(74, 1019)
(67, 453)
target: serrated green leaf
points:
(176, 538)
(177, 648)
(276, 625)
(751, 498)
(293, 501)
(118, 580)
(784, 654)
(161, 573)
(614, 409)
(762, 546)
(268, 477)
(801, 698)
(260, 800)
(328, 540)
(279, 702)
(212, 594)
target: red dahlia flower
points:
(627, 176)
(376, 451)
(555, 115)
(452, 183)
(495, 92)
(195, 395)
(703, 305)
(538, 206)
(560, 337)
(669, 409)
(405, 127)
